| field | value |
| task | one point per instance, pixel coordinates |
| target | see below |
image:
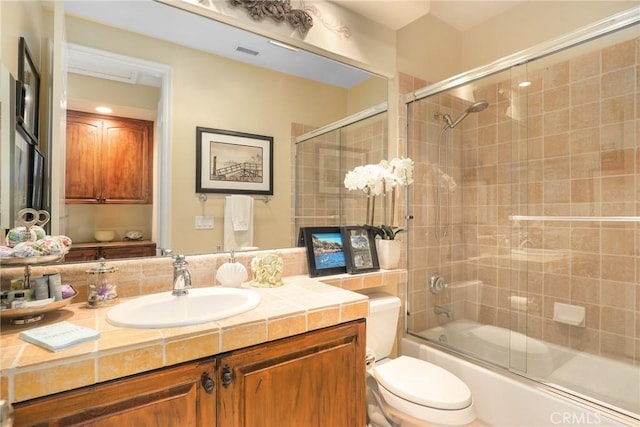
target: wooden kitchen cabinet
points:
(314, 379)
(108, 159)
(184, 395)
(111, 250)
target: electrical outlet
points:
(204, 222)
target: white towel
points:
(238, 222)
(241, 212)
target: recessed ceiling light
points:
(524, 84)
(104, 110)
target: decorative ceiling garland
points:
(333, 23)
(278, 10)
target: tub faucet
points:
(438, 309)
(181, 276)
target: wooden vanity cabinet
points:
(315, 379)
(184, 395)
(108, 159)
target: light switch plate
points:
(204, 222)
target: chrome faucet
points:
(181, 276)
(438, 309)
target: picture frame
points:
(19, 174)
(27, 93)
(325, 251)
(360, 249)
(36, 178)
(233, 162)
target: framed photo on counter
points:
(325, 251)
(360, 249)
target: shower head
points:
(476, 107)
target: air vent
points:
(247, 51)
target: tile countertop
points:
(29, 371)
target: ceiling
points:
(460, 14)
(184, 28)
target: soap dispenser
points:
(231, 273)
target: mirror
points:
(206, 90)
(212, 91)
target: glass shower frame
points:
(523, 246)
(323, 157)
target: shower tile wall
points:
(567, 145)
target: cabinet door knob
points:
(207, 383)
(227, 376)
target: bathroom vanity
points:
(312, 379)
(296, 359)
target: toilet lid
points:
(423, 383)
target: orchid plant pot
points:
(388, 253)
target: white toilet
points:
(414, 392)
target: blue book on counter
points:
(59, 336)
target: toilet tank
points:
(382, 323)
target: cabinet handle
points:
(227, 376)
(207, 383)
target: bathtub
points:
(504, 398)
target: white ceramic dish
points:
(104, 235)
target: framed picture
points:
(27, 92)
(19, 175)
(325, 251)
(36, 178)
(360, 249)
(233, 162)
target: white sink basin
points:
(200, 305)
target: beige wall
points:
(136, 101)
(530, 23)
(371, 92)
(429, 49)
(20, 19)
